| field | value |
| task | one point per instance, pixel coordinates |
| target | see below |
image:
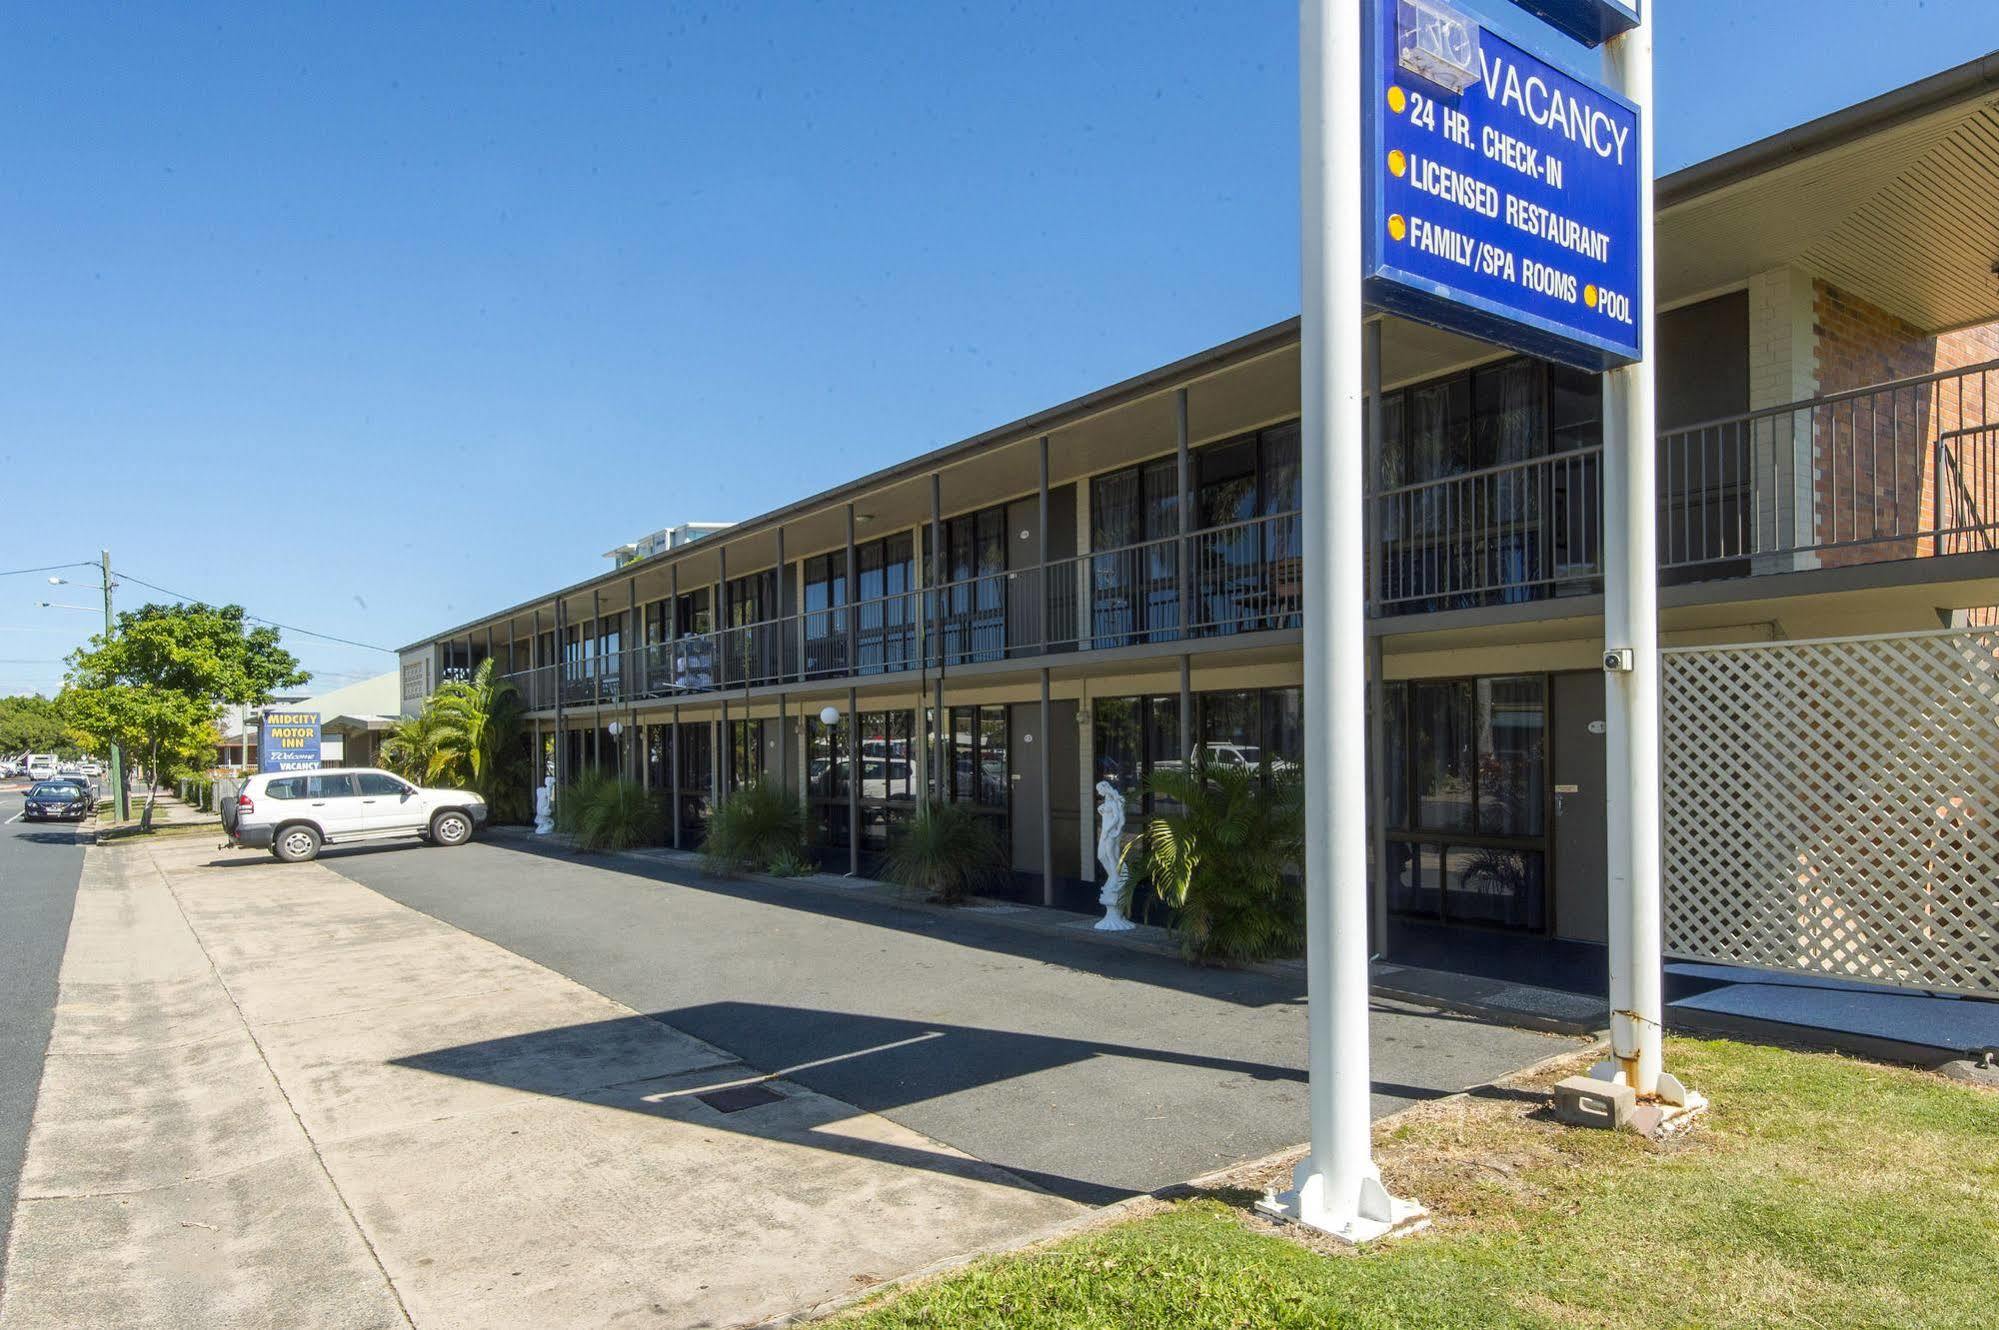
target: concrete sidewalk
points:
(275, 1098)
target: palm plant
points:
(949, 850)
(411, 747)
(757, 827)
(1226, 856)
(479, 740)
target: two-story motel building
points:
(1089, 593)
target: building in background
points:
(365, 710)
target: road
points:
(39, 868)
(1094, 1071)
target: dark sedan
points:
(56, 801)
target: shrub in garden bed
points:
(1228, 858)
(948, 850)
(601, 812)
(758, 828)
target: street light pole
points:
(120, 804)
(1337, 1187)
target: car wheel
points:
(296, 845)
(451, 828)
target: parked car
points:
(56, 801)
(40, 766)
(82, 786)
(294, 813)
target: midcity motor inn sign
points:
(1501, 193)
(289, 741)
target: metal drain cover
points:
(739, 1097)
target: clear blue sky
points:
(374, 317)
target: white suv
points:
(293, 813)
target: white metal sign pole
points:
(1337, 1187)
(1631, 635)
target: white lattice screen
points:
(1833, 807)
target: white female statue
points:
(544, 807)
(1109, 842)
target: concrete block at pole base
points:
(1584, 1101)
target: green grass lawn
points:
(1819, 1191)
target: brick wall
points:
(1889, 470)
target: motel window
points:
(972, 612)
(1466, 766)
(887, 790)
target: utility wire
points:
(273, 623)
(52, 568)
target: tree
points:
(411, 748)
(481, 737)
(470, 733)
(157, 682)
(32, 724)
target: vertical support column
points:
(1183, 505)
(562, 772)
(1187, 707)
(720, 613)
(597, 679)
(673, 767)
(725, 757)
(535, 698)
(1041, 615)
(715, 762)
(853, 784)
(853, 599)
(1337, 1187)
(1377, 688)
(1047, 799)
(777, 616)
(937, 627)
(783, 737)
(1631, 624)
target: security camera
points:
(1622, 660)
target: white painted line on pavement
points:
(782, 1072)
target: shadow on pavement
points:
(876, 1064)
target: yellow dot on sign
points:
(1398, 100)
(1397, 227)
(1397, 163)
(1589, 295)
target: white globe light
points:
(829, 715)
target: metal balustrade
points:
(1895, 471)
(1900, 470)
(1518, 531)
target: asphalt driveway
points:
(1091, 1071)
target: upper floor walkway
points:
(1897, 471)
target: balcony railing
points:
(1521, 531)
(1900, 470)
(1241, 578)
(1896, 471)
